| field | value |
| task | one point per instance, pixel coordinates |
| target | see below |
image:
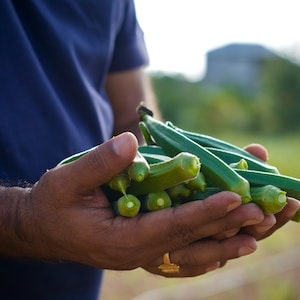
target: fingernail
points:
(213, 267)
(123, 144)
(233, 205)
(245, 250)
(251, 222)
(261, 229)
(231, 233)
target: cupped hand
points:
(271, 223)
(71, 219)
(200, 248)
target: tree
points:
(281, 83)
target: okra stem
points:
(213, 168)
(241, 164)
(139, 168)
(120, 183)
(164, 175)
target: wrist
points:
(16, 216)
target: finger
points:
(250, 225)
(261, 228)
(179, 226)
(226, 234)
(258, 150)
(102, 163)
(231, 224)
(173, 228)
(282, 218)
(188, 271)
(288, 212)
(200, 257)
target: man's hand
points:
(270, 223)
(68, 217)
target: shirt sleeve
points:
(130, 49)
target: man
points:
(71, 78)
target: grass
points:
(250, 277)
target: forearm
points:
(15, 217)
(126, 90)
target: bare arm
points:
(15, 217)
(66, 216)
(126, 90)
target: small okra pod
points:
(163, 175)
(179, 191)
(288, 184)
(127, 206)
(156, 201)
(120, 183)
(139, 168)
(198, 183)
(216, 171)
(241, 164)
(269, 198)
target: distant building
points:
(236, 65)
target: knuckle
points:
(98, 160)
(183, 234)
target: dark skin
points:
(220, 241)
(66, 216)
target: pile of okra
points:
(177, 166)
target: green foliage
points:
(274, 109)
(191, 106)
(176, 94)
(281, 83)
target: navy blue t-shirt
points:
(54, 57)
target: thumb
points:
(103, 162)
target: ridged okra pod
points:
(127, 206)
(156, 201)
(214, 169)
(139, 168)
(269, 198)
(288, 184)
(163, 175)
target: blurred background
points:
(229, 69)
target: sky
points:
(179, 33)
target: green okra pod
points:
(127, 206)
(288, 184)
(163, 175)
(156, 201)
(139, 168)
(120, 183)
(214, 169)
(179, 191)
(74, 156)
(198, 183)
(253, 164)
(269, 198)
(241, 164)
